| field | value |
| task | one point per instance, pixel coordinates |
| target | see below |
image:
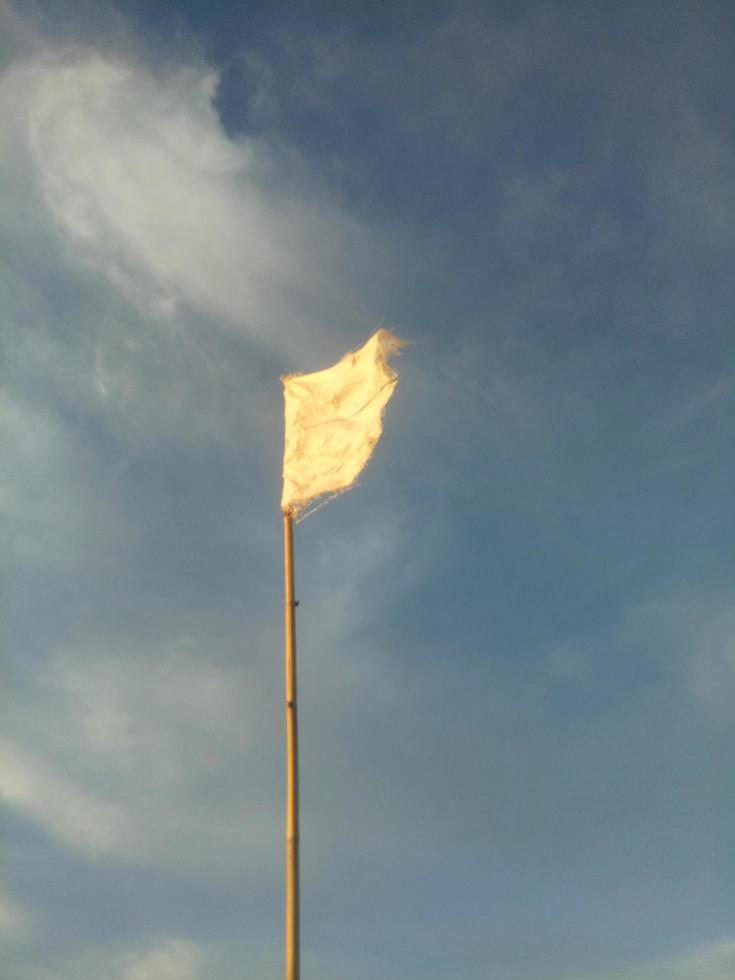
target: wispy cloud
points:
(165, 957)
(140, 737)
(49, 797)
(15, 922)
(691, 637)
(711, 961)
(147, 189)
(53, 512)
(138, 231)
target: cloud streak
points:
(140, 736)
(712, 961)
(66, 810)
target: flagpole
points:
(292, 764)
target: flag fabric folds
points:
(334, 418)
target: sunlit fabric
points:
(334, 418)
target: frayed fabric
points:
(334, 419)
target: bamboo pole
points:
(292, 765)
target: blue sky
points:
(516, 660)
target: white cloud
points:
(135, 229)
(163, 957)
(693, 182)
(14, 921)
(691, 637)
(712, 961)
(130, 756)
(711, 399)
(167, 959)
(51, 798)
(132, 744)
(710, 668)
(146, 188)
(52, 506)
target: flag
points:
(334, 418)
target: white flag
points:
(333, 421)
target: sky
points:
(516, 658)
